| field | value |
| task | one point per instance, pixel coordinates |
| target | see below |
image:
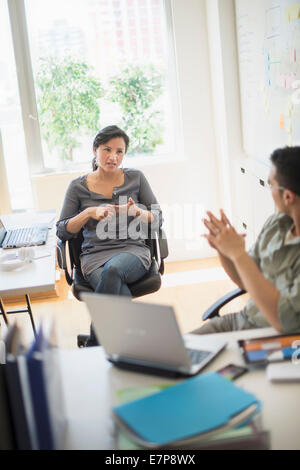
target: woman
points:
(114, 207)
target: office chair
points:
(214, 310)
(68, 259)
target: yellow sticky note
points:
(292, 12)
(281, 121)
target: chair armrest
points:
(160, 249)
(61, 254)
(163, 244)
(62, 260)
(213, 311)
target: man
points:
(270, 273)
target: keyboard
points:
(28, 236)
(198, 356)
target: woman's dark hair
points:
(287, 164)
(103, 136)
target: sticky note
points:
(293, 57)
(281, 81)
(281, 121)
(289, 80)
(292, 12)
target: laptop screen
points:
(2, 232)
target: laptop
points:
(146, 337)
(25, 236)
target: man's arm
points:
(232, 245)
(231, 270)
(263, 292)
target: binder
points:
(188, 412)
(14, 389)
(38, 392)
(7, 434)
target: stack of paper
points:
(206, 411)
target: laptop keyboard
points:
(24, 236)
(198, 356)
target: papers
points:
(286, 372)
(27, 219)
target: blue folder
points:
(195, 407)
(34, 359)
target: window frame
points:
(32, 134)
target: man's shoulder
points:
(277, 220)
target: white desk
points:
(38, 276)
(90, 384)
(34, 277)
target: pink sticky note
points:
(293, 55)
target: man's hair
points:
(287, 163)
(104, 136)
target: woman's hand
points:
(101, 212)
(130, 208)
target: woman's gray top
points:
(104, 239)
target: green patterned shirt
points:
(279, 261)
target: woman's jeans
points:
(112, 279)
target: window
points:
(95, 63)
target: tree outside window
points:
(137, 90)
(68, 102)
(68, 96)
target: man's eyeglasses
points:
(274, 186)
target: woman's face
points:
(109, 156)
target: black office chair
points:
(68, 259)
(214, 310)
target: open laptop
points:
(25, 236)
(146, 337)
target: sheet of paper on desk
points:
(27, 219)
(283, 372)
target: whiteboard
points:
(268, 34)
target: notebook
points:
(25, 236)
(197, 408)
(146, 337)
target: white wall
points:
(5, 207)
(192, 180)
